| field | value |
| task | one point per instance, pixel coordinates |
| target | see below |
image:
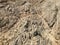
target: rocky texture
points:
(29, 22)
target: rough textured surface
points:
(29, 22)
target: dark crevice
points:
(3, 23)
(36, 33)
(58, 33)
(27, 24)
(41, 1)
(16, 42)
(34, 23)
(24, 2)
(3, 1)
(55, 18)
(12, 24)
(53, 21)
(30, 36)
(51, 25)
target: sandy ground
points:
(29, 22)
